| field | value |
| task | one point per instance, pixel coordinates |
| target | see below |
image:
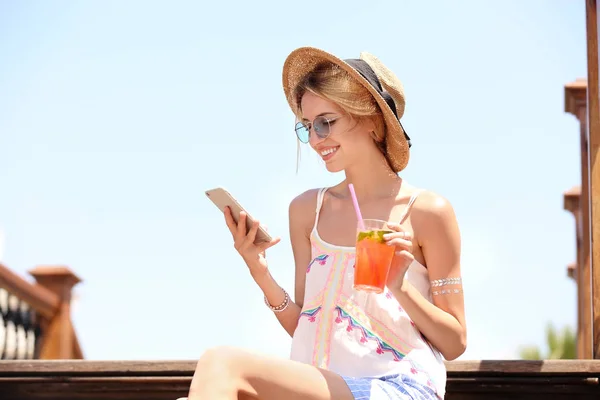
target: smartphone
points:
(222, 198)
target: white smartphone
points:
(222, 198)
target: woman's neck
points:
(373, 180)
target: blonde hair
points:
(331, 82)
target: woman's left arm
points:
(437, 233)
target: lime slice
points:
(365, 235)
(375, 235)
(380, 234)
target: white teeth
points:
(329, 151)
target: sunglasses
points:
(320, 125)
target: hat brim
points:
(304, 60)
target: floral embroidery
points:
(320, 259)
(311, 314)
(382, 347)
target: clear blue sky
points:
(115, 117)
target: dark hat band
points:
(365, 70)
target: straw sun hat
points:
(382, 83)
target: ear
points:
(369, 125)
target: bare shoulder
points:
(431, 205)
(302, 209)
(304, 203)
(433, 212)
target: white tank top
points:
(360, 334)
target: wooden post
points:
(576, 104)
(59, 339)
(593, 117)
(572, 203)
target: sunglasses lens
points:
(321, 127)
(302, 132)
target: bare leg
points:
(226, 373)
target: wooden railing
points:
(168, 380)
(20, 329)
(35, 319)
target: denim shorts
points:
(390, 387)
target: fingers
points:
(242, 239)
(402, 235)
(398, 235)
(405, 254)
(394, 226)
(264, 246)
(229, 221)
(402, 240)
(251, 236)
(241, 227)
(403, 258)
(400, 244)
(397, 228)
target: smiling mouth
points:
(328, 151)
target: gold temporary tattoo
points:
(446, 281)
(446, 291)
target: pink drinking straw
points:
(361, 224)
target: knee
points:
(218, 363)
(217, 374)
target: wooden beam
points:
(593, 116)
(576, 104)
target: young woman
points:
(350, 344)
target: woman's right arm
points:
(301, 217)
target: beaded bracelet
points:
(282, 306)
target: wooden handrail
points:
(168, 380)
(42, 300)
(50, 297)
(186, 367)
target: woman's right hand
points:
(253, 254)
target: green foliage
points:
(561, 345)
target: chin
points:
(333, 167)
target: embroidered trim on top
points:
(366, 334)
(382, 346)
(311, 314)
(386, 330)
(320, 259)
(320, 356)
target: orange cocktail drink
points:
(373, 256)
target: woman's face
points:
(347, 138)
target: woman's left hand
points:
(403, 257)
